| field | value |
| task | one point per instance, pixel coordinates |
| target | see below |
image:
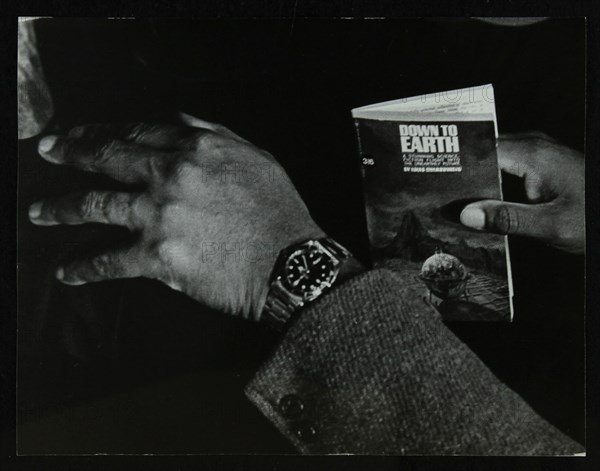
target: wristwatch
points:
(302, 273)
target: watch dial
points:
(308, 271)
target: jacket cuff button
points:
(305, 431)
(291, 406)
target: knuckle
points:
(93, 203)
(209, 141)
(137, 204)
(165, 251)
(521, 167)
(138, 130)
(105, 153)
(540, 145)
(156, 167)
(117, 205)
(529, 147)
(505, 220)
(169, 215)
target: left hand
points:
(554, 177)
(215, 213)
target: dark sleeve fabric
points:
(370, 368)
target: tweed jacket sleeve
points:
(371, 369)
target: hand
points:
(554, 182)
(215, 213)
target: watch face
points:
(308, 271)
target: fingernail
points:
(473, 217)
(35, 210)
(60, 275)
(47, 143)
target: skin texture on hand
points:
(553, 176)
(215, 213)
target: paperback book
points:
(423, 160)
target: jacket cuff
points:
(370, 368)
(297, 389)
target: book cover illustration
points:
(421, 167)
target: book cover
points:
(424, 159)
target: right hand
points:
(214, 213)
(554, 183)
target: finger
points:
(123, 161)
(513, 156)
(509, 218)
(517, 156)
(518, 152)
(160, 135)
(127, 262)
(200, 123)
(105, 207)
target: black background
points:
(290, 92)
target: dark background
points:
(132, 367)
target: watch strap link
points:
(279, 306)
(337, 250)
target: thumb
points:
(499, 217)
